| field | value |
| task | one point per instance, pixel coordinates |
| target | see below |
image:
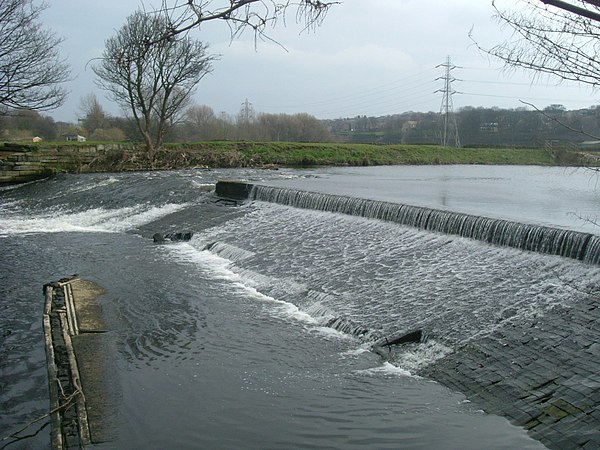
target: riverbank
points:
(22, 163)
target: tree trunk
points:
(151, 149)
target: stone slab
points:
(89, 312)
(543, 376)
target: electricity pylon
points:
(246, 112)
(448, 118)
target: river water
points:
(256, 333)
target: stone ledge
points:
(76, 356)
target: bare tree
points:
(585, 10)
(553, 37)
(201, 123)
(150, 77)
(31, 71)
(94, 117)
(257, 15)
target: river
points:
(256, 333)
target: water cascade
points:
(536, 238)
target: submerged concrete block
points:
(237, 190)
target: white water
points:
(385, 277)
(555, 241)
(59, 220)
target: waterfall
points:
(536, 238)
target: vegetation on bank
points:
(249, 154)
(292, 154)
(111, 157)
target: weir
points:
(537, 238)
(245, 304)
(521, 343)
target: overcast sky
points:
(368, 58)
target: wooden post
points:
(56, 437)
(84, 430)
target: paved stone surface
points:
(100, 386)
(89, 314)
(93, 349)
(543, 375)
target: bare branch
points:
(556, 40)
(256, 15)
(580, 11)
(31, 72)
(559, 122)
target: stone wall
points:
(23, 163)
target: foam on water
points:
(370, 279)
(357, 351)
(206, 186)
(316, 316)
(84, 187)
(222, 268)
(416, 356)
(387, 369)
(315, 307)
(91, 220)
(328, 332)
(534, 237)
(230, 252)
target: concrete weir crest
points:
(495, 231)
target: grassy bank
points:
(253, 154)
(111, 157)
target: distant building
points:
(590, 145)
(74, 138)
(490, 127)
(409, 125)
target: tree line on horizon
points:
(151, 66)
(478, 126)
(198, 123)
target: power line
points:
(401, 94)
(478, 94)
(402, 83)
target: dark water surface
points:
(229, 347)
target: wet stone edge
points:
(543, 375)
